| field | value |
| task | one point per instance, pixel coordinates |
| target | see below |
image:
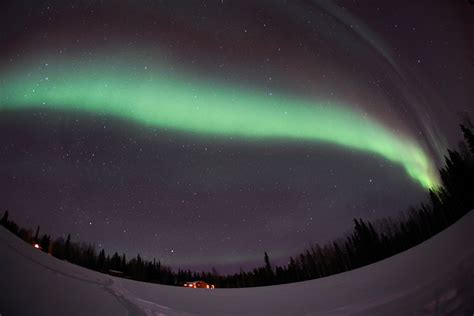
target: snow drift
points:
(433, 278)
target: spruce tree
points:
(37, 233)
(5, 218)
(468, 136)
(67, 248)
(45, 241)
(268, 270)
(101, 260)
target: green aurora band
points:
(163, 99)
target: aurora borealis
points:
(203, 108)
(204, 134)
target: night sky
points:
(203, 133)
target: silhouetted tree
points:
(469, 137)
(5, 218)
(37, 233)
(67, 248)
(45, 242)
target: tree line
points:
(365, 244)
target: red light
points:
(36, 246)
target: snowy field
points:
(434, 278)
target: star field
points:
(204, 134)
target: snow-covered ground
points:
(434, 278)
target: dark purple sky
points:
(203, 202)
